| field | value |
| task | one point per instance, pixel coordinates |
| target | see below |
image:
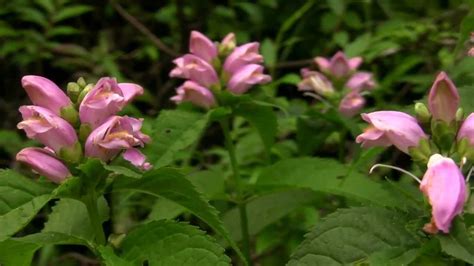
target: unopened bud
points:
(71, 154)
(73, 91)
(69, 113)
(84, 92)
(443, 134)
(422, 113)
(84, 131)
(81, 82)
(460, 114)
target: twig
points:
(143, 29)
(296, 63)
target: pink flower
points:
(201, 46)
(241, 56)
(361, 81)
(315, 81)
(445, 187)
(113, 136)
(106, 99)
(192, 92)
(45, 163)
(351, 104)
(467, 130)
(135, 157)
(443, 100)
(43, 92)
(46, 127)
(339, 65)
(471, 52)
(196, 69)
(391, 128)
(245, 77)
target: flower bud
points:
(227, 45)
(466, 137)
(192, 92)
(43, 92)
(115, 135)
(443, 100)
(202, 47)
(241, 56)
(45, 163)
(46, 127)
(444, 186)
(422, 113)
(107, 98)
(391, 128)
(317, 82)
(196, 69)
(81, 82)
(73, 91)
(351, 104)
(245, 77)
(339, 65)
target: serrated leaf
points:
(20, 199)
(261, 117)
(70, 217)
(266, 209)
(20, 251)
(172, 185)
(109, 258)
(327, 175)
(457, 242)
(171, 243)
(174, 130)
(349, 236)
(70, 12)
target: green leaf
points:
(466, 93)
(269, 52)
(326, 175)
(109, 258)
(62, 31)
(20, 251)
(457, 242)
(172, 185)
(70, 12)
(174, 130)
(262, 118)
(20, 199)
(171, 243)
(267, 209)
(350, 236)
(337, 6)
(70, 217)
(394, 256)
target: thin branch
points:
(143, 29)
(296, 63)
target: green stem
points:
(241, 202)
(91, 203)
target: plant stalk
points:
(91, 203)
(241, 202)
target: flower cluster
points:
(210, 66)
(86, 119)
(338, 81)
(449, 133)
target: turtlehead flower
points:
(135, 157)
(192, 92)
(45, 93)
(196, 69)
(45, 163)
(466, 131)
(107, 98)
(444, 186)
(201, 46)
(443, 100)
(361, 81)
(247, 76)
(315, 81)
(391, 128)
(115, 135)
(227, 44)
(339, 65)
(46, 127)
(351, 104)
(243, 55)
